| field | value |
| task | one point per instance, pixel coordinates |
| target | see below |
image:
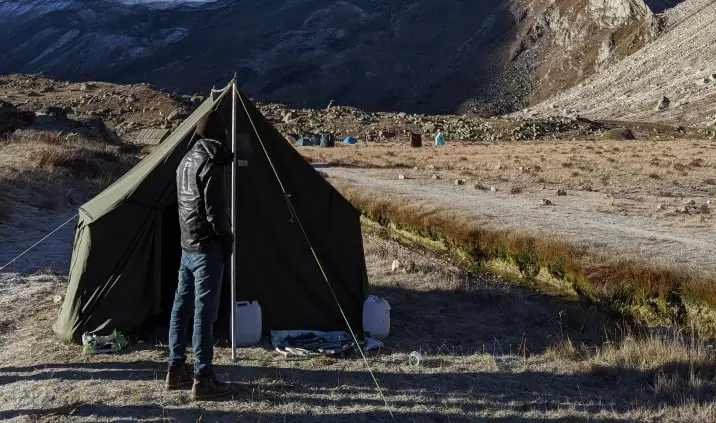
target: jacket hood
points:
(217, 151)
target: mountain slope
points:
(680, 65)
(411, 55)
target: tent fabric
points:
(126, 251)
(350, 140)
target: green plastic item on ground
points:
(94, 344)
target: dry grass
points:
(491, 351)
(5, 205)
(639, 289)
(609, 166)
(633, 178)
(50, 170)
(667, 369)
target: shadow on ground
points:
(448, 326)
(477, 317)
(527, 393)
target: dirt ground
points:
(648, 199)
(490, 352)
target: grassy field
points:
(53, 170)
(637, 176)
(491, 351)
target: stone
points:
(174, 115)
(416, 168)
(435, 177)
(459, 182)
(546, 202)
(12, 119)
(395, 266)
(663, 104)
(493, 189)
(56, 112)
(561, 192)
(401, 176)
(690, 202)
(409, 267)
(660, 207)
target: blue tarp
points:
(350, 140)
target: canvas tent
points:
(126, 250)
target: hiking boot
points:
(179, 376)
(208, 388)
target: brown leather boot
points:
(180, 376)
(208, 388)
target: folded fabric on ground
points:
(311, 343)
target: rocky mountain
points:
(672, 80)
(410, 55)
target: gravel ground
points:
(650, 240)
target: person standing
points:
(206, 242)
(440, 137)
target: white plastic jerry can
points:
(248, 323)
(376, 317)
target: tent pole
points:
(233, 220)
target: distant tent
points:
(304, 142)
(350, 140)
(126, 250)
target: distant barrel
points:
(416, 140)
(327, 140)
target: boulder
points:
(12, 119)
(663, 104)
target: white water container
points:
(247, 324)
(376, 317)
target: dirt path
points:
(649, 239)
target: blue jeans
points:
(200, 277)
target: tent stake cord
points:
(39, 242)
(315, 256)
(233, 220)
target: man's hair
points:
(212, 126)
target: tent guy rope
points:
(40, 241)
(315, 256)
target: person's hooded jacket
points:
(203, 220)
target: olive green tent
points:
(125, 259)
